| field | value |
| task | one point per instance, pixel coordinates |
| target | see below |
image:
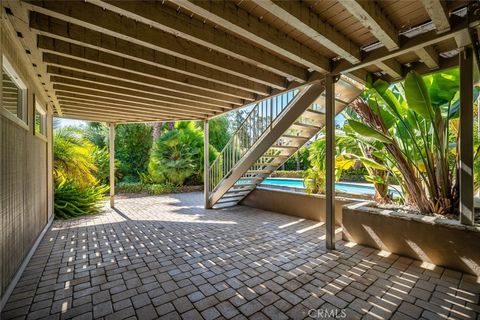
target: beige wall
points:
(294, 204)
(25, 169)
(454, 247)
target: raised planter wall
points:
(439, 241)
(294, 204)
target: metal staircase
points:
(271, 133)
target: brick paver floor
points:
(166, 257)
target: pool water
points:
(346, 187)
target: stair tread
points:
(231, 195)
(294, 137)
(312, 126)
(284, 147)
(275, 156)
(258, 171)
(243, 185)
(314, 112)
(250, 178)
(227, 200)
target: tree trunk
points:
(157, 130)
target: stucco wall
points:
(294, 204)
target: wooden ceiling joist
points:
(66, 95)
(116, 111)
(108, 60)
(409, 45)
(303, 19)
(68, 32)
(230, 17)
(438, 14)
(428, 56)
(126, 28)
(125, 100)
(165, 18)
(392, 68)
(212, 91)
(371, 16)
(67, 74)
(127, 93)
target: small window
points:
(14, 92)
(40, 120)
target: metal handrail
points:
(262, 116)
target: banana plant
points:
(412, 121)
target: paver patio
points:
(167, 257)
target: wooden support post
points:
(330, 161)
(206, 165)
(466, 136)
(112, 163)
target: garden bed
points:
(433, 239)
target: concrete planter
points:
(296, 204)
(440, 241)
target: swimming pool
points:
(346, 187)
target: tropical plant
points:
(299, 161)
(219, 132)
(73, 157)
(96, 133)
(314, 178)
(71, 200)
(412, 121)
(133, 143)
(177, 156)
(76, 175)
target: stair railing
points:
(261, 118)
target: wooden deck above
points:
(126, 61)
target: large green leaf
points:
(387, 118)
(417, 95)
(372, 164)
(367, 131)
(443, 86)
(384, 92)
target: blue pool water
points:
(346, 187)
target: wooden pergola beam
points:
(438, 14)
(127, 93)
(428, 56)
(303, 19)
(69, 50)
(131, 30)
(371, 16)
(214, 91)
(240, 22)
(57, 29)
(120, 98)
(68, 74)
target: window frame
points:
(13, 75)
(42, 111)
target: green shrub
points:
(139, 187)
(177, 156)
(129, 187)
(289, 174)
(72, 200)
